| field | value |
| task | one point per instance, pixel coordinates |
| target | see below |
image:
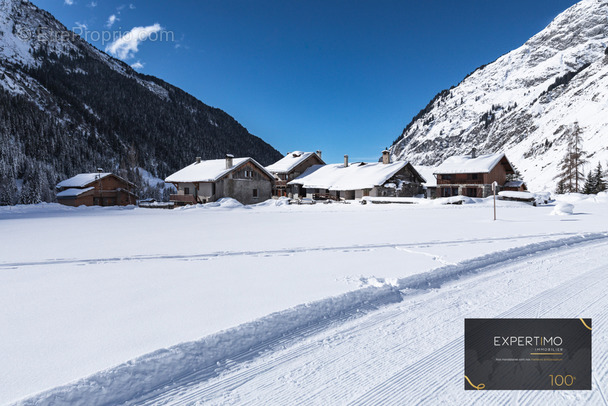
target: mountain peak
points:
(523, 102)
(67, 107)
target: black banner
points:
(517, 354)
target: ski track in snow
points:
(435, 378)
(373, 352)
(281, 252)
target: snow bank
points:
(563, 209)
(572, 198)
(281, 201)
(223, 203)
(403, 200)
(161, 368)
(454, 200)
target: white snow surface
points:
(175, 306)
(355, 176)
(82, 179)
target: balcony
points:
(182, 199)
(460, 181)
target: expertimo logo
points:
(526, 341)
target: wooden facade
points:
(477, 184)
(101, 190)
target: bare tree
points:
(571, 176)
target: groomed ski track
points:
(401, 344)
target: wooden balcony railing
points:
(460, 181)
(188, 199)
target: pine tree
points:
(600, 183)
(590, 184)
(516, 175)
(595, 181)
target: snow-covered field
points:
(276, 304)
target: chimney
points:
(345, 161)
(474, 153)
(229, 161)
(386, 157)
(319, 153)
(198, 159)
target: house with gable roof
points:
(243, 179)
(96, 189)
(472, 175)
(290, 167)
(356, 180)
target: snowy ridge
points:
(523, 104)
(165, 368)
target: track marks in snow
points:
(278, 252)
(298, 364)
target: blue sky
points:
(343, 76)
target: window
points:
(474, 176)
(255, 193)
(186, 190)
(446, 177)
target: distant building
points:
(515, 186)
(430, 186)
(242, 179)
(96, 189)
(290, 167)
(472, 175)
(350, 181)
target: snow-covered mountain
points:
(67, 107)
(526, 102)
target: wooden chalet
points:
(515, 186)
(96, 189)
(243, 179)
(289, 168)
(351, 181)
(472, 175)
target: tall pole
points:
(494, 184)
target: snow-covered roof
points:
(210, 170)
(73, 192)
(358, 175)
(82, 180)
(514, 183)
(468, 164)
(289, 161)
(427, 172)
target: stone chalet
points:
(96, 189)
(472, 175)
(290, 167)
(243, 179)
(356, 180)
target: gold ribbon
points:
(478, 387)
(585, 324)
